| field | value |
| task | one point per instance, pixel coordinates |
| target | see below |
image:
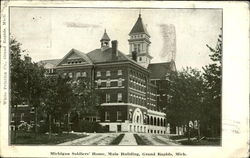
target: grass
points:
(117, 140)
(201, 142)
(177, 137)
(139, 140)
(23, 138)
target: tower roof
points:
(139, 27)
(105, 36)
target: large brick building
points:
(129, 86)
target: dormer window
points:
(107, 73)
(51, 71)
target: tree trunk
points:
(50, 131)
(60, 125)
(188, 133)
(35, 122)
(198, 130)
(15, 129)
(68, 116)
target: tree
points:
(85, 100)
(26, 78)
(16, 72)
(58, 99)
(212, 100)
(186, 95)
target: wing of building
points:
(130, 87)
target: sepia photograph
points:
(115, 76)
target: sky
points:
(50, 33)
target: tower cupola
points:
(139, 42)
(105, 40)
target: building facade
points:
(128, 86)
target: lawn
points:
(24, 138)
(139, 140)
(175, 137)
(117, 140)
(215, 142)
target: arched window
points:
(138, 119)
(151, 120)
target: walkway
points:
(128, 139)
(93, 139)
(156, 139)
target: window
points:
(140, 59)
(64, 74)
(12, 117)
(78, 74)
(84, 74)
(108, 83)
(32, 110)
(70, 75)
(22, 115)
(107, 73)
(107, 98)
(99, 83)
(119, 97)
(130, 115)
(135, 47)
(51, 71)
(119, 72)
(119, 115)
(98, 74)
(139, 48)
(107, 116)
(119, 82)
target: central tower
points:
(139, 42)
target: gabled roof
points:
(51, 61)
(105, 36)
(139, 27)
(160, 70)
(77, 52)
(98, 56)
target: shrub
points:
(86, 126)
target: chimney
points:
(134, 55)
(114, 49)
